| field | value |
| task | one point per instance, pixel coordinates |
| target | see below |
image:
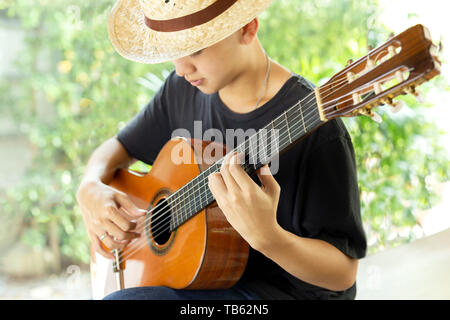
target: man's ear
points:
(249, 31)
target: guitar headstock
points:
(397, 67)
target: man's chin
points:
(206, 90)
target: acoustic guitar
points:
(186, 242)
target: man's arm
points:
(251, 210)
(312, 260)
(107, 211)
(105, 160)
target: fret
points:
(174, 217)
(273, 133)
(273, 128)
(192, 203)
(287, 126)
(278, 132)
(184, 203)
(177, 212)
(202, 191)
(278, 123)
(259, 148)
(180, 207)
(241, 148)
(253, 150)
(294, 121)
(172, 214)
(303, 118)
(263, 144)
(198, 195)
(272, 139)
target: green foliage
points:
(70, 67)
(395, 159)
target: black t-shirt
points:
(319, 191)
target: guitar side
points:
(203, 253)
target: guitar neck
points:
(261, 148)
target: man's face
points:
(214, 67)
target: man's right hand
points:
(108, 214)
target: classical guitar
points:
(186, 241)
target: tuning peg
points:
(419, 97)
(416, 93)
(376, 117)
(397, 106)
(349, 62)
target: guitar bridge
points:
(117, 269)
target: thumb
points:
(125, 202)
(270, 185)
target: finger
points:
(270, 185)
(122, 219)
(109, 242)
(104, 230)
(125, 202)
(116, 217)
(240, 176)
(228, 179)
(216, 185)
(116, 232)
(99, 246)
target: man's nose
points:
(183, 67)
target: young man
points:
(303, 223)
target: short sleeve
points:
(148, 131)
(332, 204)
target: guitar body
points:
(203, 253)
(203, 250)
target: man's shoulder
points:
(305, 83)
(332, 129)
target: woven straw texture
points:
(133, 40)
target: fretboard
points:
(259, 149)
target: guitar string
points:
(128, 252)
(160, 226)
(175, 204)
(343, 79)
(180, 196)
(172, 266)
(306, 119)
(284, 113)
(201, 194)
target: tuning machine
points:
(396, 106)
(369, 113)
(376, 117)
(412, 90)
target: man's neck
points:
(249, 90)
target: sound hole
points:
(160, 222)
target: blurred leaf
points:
(76, 92)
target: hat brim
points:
(133, 40)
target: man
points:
(303, 223)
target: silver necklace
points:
(265, 81)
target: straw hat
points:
(153, 31)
